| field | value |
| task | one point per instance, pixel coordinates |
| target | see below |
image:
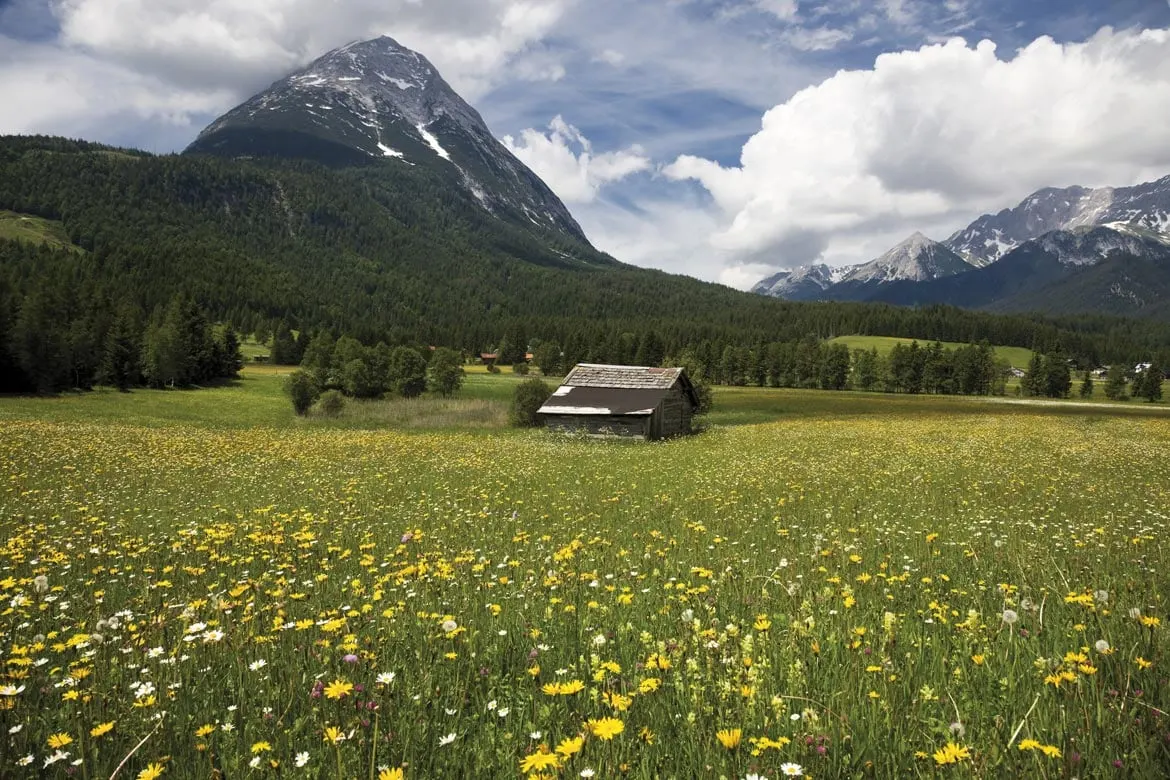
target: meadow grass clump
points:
(821, 584)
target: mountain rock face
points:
(806, 283)
(377, 101)
(991, 236)
(1056, 273)
(916, 259)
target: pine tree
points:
(1150, 383)
(1086, 390)
(120, 366)
(1115, 383)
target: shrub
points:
(520, 368)
(529, 396)
(445, 372)
(302, 390)
(408, 372)
(492, 368)
(331, 403)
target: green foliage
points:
(547, 357)
(1115, 383)
(120, 364)
(302, 391)
(331, 403)
(1086, 388)
(528, 397)
(445, 372)
(1148, 384)
(520, 367)
(387, 253)
(407, 372)
(284, 347)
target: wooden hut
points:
(634, 401)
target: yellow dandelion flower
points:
(152, 772)
(204, 730)
(538, 762)
(58, 741)
(729, 738)
(618, 701)
(261, 747)
(338, 689)
(649, 685)
(1028, 744)
(1052, 751)
(605, 728)
(1142, 663)
(571, 687)
(333, 735)
(951, 754)
(570, 745)
(392, 774)
(101, 728)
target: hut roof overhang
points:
(595, 389)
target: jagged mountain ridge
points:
(805, 283)
(1056, 273)
(990, 236)
(378, 101)
(916, 259)
(1092, 226)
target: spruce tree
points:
(120, 366)
(1086, 390)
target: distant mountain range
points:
(1060, 251)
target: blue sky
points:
(720, 139)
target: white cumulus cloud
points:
(565, 160)
(220, 43)
(930, 138)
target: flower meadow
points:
(935, 595)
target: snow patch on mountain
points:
(432, 142)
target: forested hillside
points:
(389, 253)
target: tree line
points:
(55, 340)
(393, 254)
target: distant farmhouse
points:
(632, 401)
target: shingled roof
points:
(632, 377)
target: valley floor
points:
(843, 584)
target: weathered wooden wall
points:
(674, 414)
(598, 425)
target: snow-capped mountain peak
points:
(915, 259)
(991, 236)
(378, 102)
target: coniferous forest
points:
(160, 260)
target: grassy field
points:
(836, 584)
(1017, 356)
(35, 230)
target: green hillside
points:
(34, 230)
(391, 253)
(1017, 356)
